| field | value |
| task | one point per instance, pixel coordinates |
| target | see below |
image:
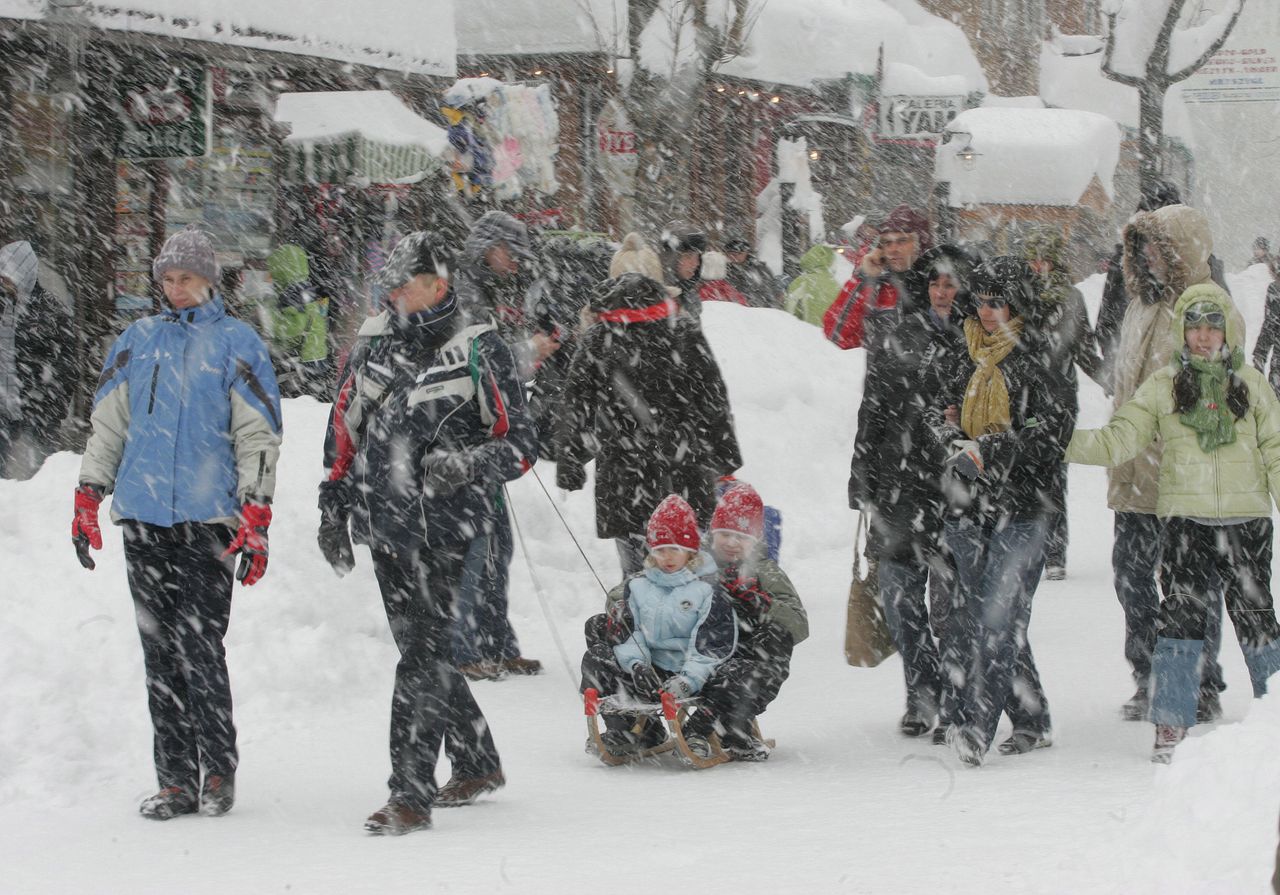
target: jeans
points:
(181, 590)
(431, 701)
(903, 590)
(482, 631)
(997, 566)
(1056, 538)
(1135, 557)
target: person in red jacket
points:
(885, 282)
(714, 286)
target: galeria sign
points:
(917, 117)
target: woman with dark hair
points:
(1005, 433)
(1219, 422)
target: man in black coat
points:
(36, 364)
(749, 275)
(894, 475)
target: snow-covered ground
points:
(844, 805)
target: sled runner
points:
(671, 710)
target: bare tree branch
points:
(1209, 53)
(1108, 51)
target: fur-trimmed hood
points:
(1181, 235)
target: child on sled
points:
(668, 632)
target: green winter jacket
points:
(299, 317)
(811, 293)
(1240, 479)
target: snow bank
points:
(407, 35)
(21, 9)
(1211, 827)
(801, 41)
(377, 115)
(1028, 156)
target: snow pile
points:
(1027, 156)
(801, 41)
(502, 27)
(22, 9)
(377, 115)
(1227, 780)
(1072, 81)
(406, 35)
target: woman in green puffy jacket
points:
(811, 293)
(1219, 424)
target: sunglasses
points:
(1213, 319)
(994, 303)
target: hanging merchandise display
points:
(502, 137)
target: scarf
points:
(659, 311)
(1212, 420)
(986, 397)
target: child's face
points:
(730, 548)
(671, 559)
(1204, 340)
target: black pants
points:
(182, 599)
(1196, 557)
(431, 699)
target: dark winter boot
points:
(940, 734)
(217, 795)
(168, 803)
(1138, 708)
(396, 818)
(698, 746)
(483, 671)
(747, 749)
(620, 739)
(967, 745)
(521, 665)
(1208, 707)
(916, 723)
(458, 792)
(1023, 742)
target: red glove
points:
(251, 542)
(85, 532)
(747, 591)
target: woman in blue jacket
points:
(186, 432)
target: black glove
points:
(334, 538)
(446, 472)
(643, 677)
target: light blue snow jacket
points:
(680, 622)
(186, 419)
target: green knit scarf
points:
(1213, 421)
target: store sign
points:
(1248, 72)
(917, 117)
(616, 148)
(163, 112)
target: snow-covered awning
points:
(363, 135)
(505, 27)
(800, 41)
(1027, 156)
(405, 35)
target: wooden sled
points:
(671, 710)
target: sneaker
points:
(521, 665)
(1022, 742)
(1138, 706)
(698, 746)
(915, 724)
(457, 792)
(396, 818)
(1208, 707)
(217, 795)
(483, 671)
(940, 734)
(1167, 739)
(967, 747)
(750, 749)
(1055, 573)
(168, 803)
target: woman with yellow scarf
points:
(1006, 434)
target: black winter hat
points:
(1006, 277)
(422, 251)
(680, 236)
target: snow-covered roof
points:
(379, 137)
(407, 35)
(1028, 156)
(500, 27)
(1077, 82)
(800, 41)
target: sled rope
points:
(572, 536)
(537, 589)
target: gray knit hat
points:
(188, 249)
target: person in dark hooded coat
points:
(646, 400)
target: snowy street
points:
(845, 804)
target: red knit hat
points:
(673, 524)
(740, 510)
(905, 219)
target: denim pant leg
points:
(903, 589)
(1027, 707)
(1003, 613)
(1210, 668)
(465, 635)
(965, 544)
(1135, 555)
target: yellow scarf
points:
(986, 397)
